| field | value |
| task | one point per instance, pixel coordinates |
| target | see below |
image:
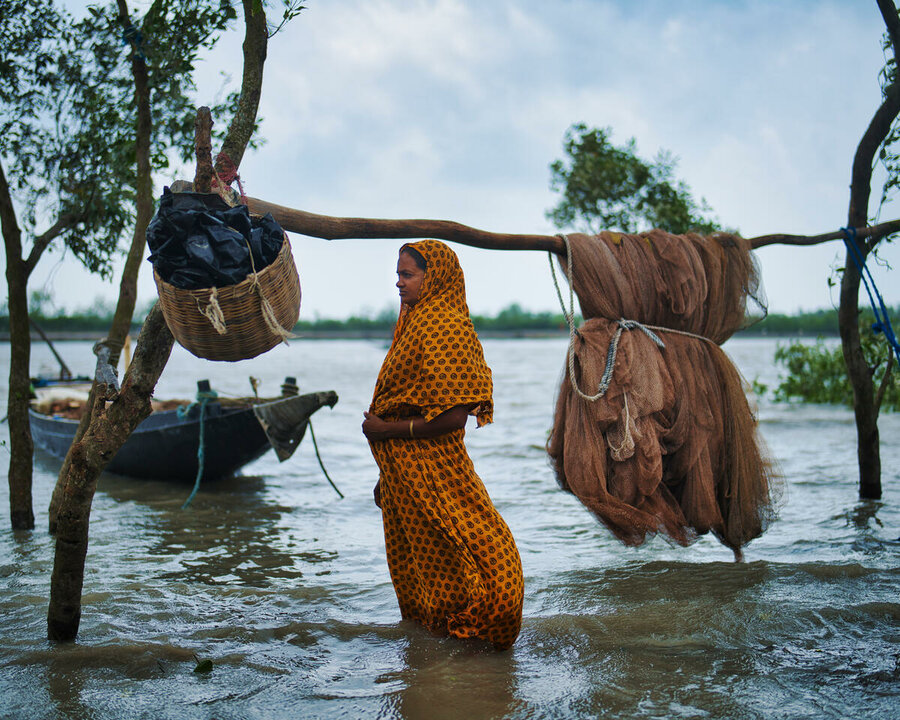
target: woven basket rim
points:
(229, 291)
(249, 331)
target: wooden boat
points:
(165, 445)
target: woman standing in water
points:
(452, 559)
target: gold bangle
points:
(411, 420)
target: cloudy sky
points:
(453, 109)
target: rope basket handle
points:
(268, 312)
(213, 312)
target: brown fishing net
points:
(663, 440)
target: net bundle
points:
(653, 432)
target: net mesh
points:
(672, 446)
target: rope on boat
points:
(319, 458)
(288, 389)
(203, 397)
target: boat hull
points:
(165, 447)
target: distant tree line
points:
(513, 319)
(817, 323)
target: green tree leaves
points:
(605, 187)
(817, 374)
(68, 112)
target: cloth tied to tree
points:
(671, 446)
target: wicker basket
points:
(239, 321)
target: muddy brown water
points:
(283, 587)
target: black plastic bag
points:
(197, 241)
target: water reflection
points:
(867, 526)
(450, 679)
(864, 513)
(250, 578)
(74, 672)
(65, 689)
(231, 533)
(656, 639)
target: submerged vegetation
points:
(816, 372)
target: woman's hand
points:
(415, 427)
(374, 428)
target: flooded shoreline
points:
(283, 587)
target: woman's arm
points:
(374, 428)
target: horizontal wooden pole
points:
(334, 228)
(874, 232)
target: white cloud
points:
(454, 109)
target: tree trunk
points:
(121, 322)
(57, 497)
(109, 428)
(255, 49)
(868, 446)
(865, 407)
(21, 448)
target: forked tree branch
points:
(42, 241)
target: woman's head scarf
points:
(436, 361)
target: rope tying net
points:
(656, 436)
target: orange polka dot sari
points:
(452, 559)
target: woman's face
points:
(409, 279)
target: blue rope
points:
(203, 397)
(131, 35)
(882, 322)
